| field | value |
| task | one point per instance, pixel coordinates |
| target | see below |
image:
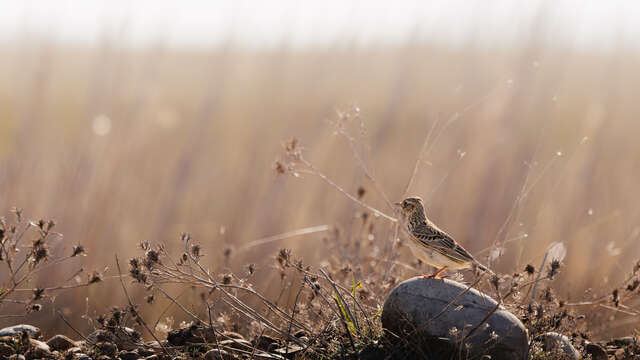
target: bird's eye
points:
(404, 204)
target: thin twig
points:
(290, 234)
(132, 308)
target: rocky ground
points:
(422, 318)
(27, 342)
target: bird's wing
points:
(442, 243)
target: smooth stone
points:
(624, 341)
(437, 313)
(33, 331)
(61, 342)
(129, 355)
(215, 354)
(596, 351)
(6, 350)
(38, 349)
(554, 342)
(107, 348)
(17, 357)
(74, 350)
(125, 338)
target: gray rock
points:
(125, 338)
(436, 315)
(61, 342)
(560, 344)
(38, 349)
(17, 357)
(129, 355)
(596, 351)
(33, 331)
(215, 354)
(623, 341)
(74, 350)
(107, 348)
(6, 350)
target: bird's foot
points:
(436, 275)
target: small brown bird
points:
(432, 245)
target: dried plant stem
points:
(363, 166)
(293, 312)
(287, 235)
(535, 284)
(313, 171)
(132, 307)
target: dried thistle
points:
(251, 268)
(226, 279)
(634, 285)
(34, 308)
(529, 269)
(78, 250)
(195, 251)
(94, 277)
(279, 167)
(151, 259)
(39, 252)
(553, 269)
(284, 258)
(37, 294)
(293, 149)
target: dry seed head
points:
(94, 277)
(495, 281)
(37, 294)
(195, 250)
(226, 279)
(293, 149)
(553, 269)
(279, 167)
(284, 257)
(39, 251)
(78, 250)
(34, 308)
(152, 257)
(529, 269)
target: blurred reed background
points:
(121, 144)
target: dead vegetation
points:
(326, 311)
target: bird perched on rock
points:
(432, 245)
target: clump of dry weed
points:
(25, 251)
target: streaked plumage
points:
(432, 245)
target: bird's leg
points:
(436, 274)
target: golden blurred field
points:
(123, 145)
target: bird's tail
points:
(483, 268)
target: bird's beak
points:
(397, 203)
